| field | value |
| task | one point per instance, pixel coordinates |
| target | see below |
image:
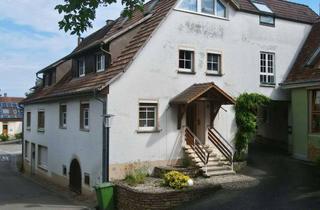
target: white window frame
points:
(40, 129)
(213, 72)
(199, 9)
(28, 127)
(85, 118)
(40, 162)
(82, 71)
(63, 117)
(100, 60)
(186, 70)
(148, 104)
(266, 66)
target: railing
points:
(197, 146)
(221, 144)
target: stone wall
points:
(131, 199)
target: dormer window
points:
(100, 62)
(262, 7)
(266, 17)
(81, 67)
(209, 7)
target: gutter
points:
(300, 84)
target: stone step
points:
(216, 168)
(214, 163)
(218, 173)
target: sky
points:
(30, 39)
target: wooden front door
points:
(75, 176)
(196, 119)
(5, 130)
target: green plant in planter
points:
(176, 180)
(246, 108)
(136, 176)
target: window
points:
(63, 116)
(42, 157)
(148, 116)
(26, 150)
(100, 62)
(84, 116)
(267, 20)
(186, 60)
(315, 111)
(82, 67)
(267, 68)
(87, 179)
(211, 7)
(213, 63)
(28, 126)
(262, 7)
(190, 5)
(41, 119)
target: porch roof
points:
(196, 91)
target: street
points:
(284, 183)
(18, 192)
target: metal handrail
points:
(225, 140)
(227, 152)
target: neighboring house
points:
(11, 116)
(304, 83)
(169, 76)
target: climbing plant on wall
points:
(246, 108)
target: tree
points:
(79, 14)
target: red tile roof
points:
(283, 9)
(69, 86)
(300, 72)
(11, 99)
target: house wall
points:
(66, 144)
(153, 75)
(306, 146)
(14, 127)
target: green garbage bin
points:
(105, 198)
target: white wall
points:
(14, 127)
(153, 75)
(66, 144)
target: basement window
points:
(87, 179)
(64, 170)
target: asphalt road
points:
(284, 183)
(17, 192)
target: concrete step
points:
(213, 163)
(216, 168)
(219, 173)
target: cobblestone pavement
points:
(283, 183)
(17, 192)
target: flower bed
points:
(152, 195)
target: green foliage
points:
(18, 135)
(79, 14)
(136, 176)
(4, 137)
(186, 162)
(247, 105)
(176, 180)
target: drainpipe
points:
(107, 52)
(105, 138)
(22, 140)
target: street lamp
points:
(105, 144)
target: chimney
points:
(80, 39)
(109, 22)
(4, 94)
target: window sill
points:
(208, 73)
(41, 130)
(84, 129)
(268, 85)
(269, 25)
(63, 127)
(186, 72)
(149, 131)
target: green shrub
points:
(4, 137)
(176, 180)
(246, 108)
(136, 176)
(18, 135)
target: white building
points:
(179, 64)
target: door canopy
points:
(203, 91)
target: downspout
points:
(22, 140)
(107, 52)
(105, 138)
